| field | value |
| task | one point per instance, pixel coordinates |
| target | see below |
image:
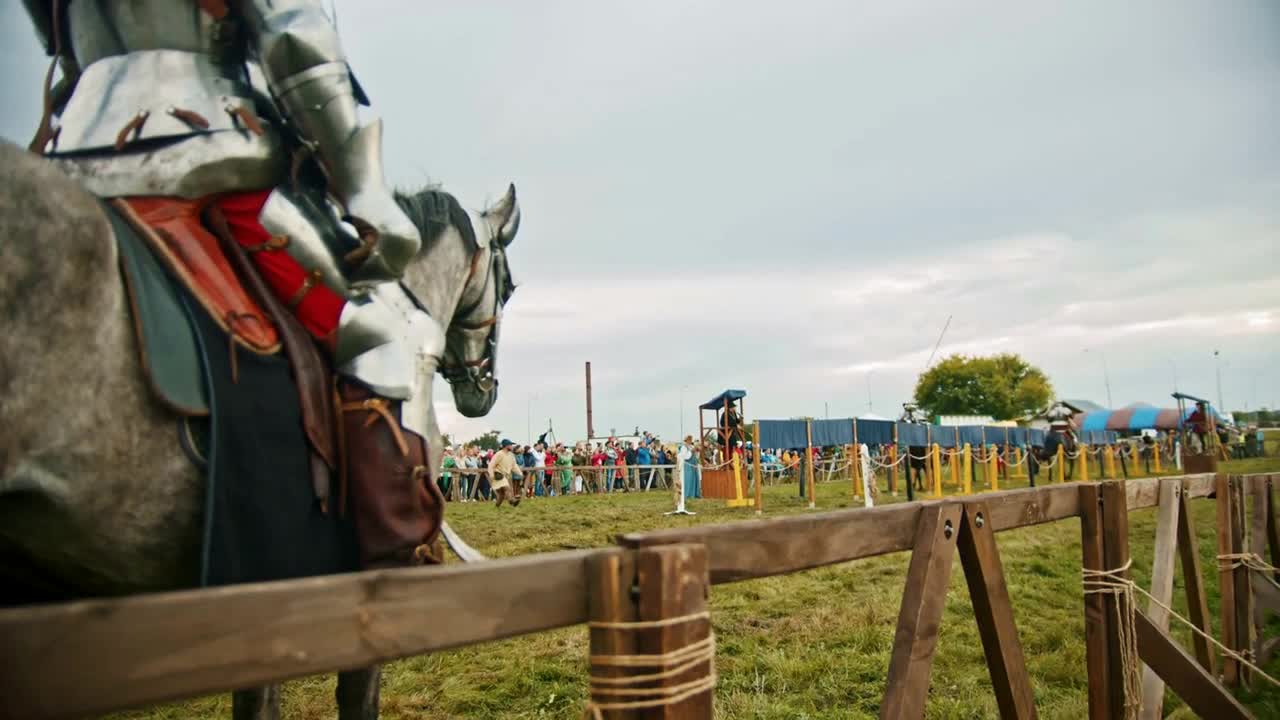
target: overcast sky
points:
(792, 198)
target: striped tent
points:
(1134, 418)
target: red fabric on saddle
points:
(174, 229)
(320, 307)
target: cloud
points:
(793, 199)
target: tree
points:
(487, 441)
(1003, 386)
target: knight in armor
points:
(182, 108)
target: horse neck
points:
(438, 276)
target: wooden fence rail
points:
(82, 658)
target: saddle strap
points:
(310, 371)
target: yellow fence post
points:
(993, 466)
(967, 469)
(935, 462)
(1155, 457)
(1017, 460)
(1109, 458)
(953, 459)
(1062, 464)
(1083, 451)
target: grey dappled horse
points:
(96, 497)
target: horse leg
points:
(260, 703)
(357, 693)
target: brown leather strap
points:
(307, 284)
(275, 242)
(132, 127)
(368, 241)
(342, 452)
(377, 408)
(246, 118)
(309, 369)
(190, 117)
(45, 131)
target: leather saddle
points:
(165, 242)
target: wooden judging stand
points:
(724, 431)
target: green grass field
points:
(810, 645)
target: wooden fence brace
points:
(670, 581)
(1226, 579)
(1187, 678)
(923, 599)
(1162, 566)
(993, 613)
(1193, 579)
(1266, 597)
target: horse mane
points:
(433, 210)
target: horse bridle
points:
(480, 371)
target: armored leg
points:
(396, 506)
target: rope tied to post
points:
(1112, 582)
(670, 664)
(1109, 581)
(1251, 561)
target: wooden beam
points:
(774, 546)
(1226, 580)
(673, 583)
(923, 598)
(1193, 579)
(1115, 553)
(1097, 624)
(1162, 567)
(90, 657)
(1197, 687)
(993, 612)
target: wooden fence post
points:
(1097, 623)
(1061, 465)
(953, 461)
(967, 470)
(936, 464)
(670, 582)
(1226, 578)
(1244, 595)
(755, 463)
(1110, 460)
(808, 465)
(1083, 452)
(1115, 537)
(993, 466)
(893, 459)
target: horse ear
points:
(506, 215)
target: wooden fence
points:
(648, 597)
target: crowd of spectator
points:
(550, 468)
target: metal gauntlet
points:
(305, 67)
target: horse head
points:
(465, 277)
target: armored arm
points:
(302, 59)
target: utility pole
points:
(868, 392)
(1106, 377)
(1217, 371)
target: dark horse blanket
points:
(262, 520)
